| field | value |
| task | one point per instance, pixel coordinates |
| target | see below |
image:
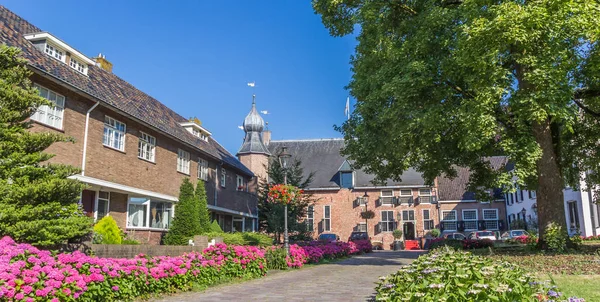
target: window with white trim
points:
(470, 219)
(427, 221)
(183, 161)
(223, 177)
(114, 133)
(310, 218)
(146, 146)
(327, 218)
(241, 186)
(490, 217)
(75, 64)
(425, 192)
(408, 215)
(54, 52)
(102, 207)
(387, 221)
(143, 212)
(449, 220)
(202, 169)
(406, 192)
(361, 227)
(50, 115)
(387, 197)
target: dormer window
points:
(54, 52)
(61, 51)
(195, 128)
(346, 180)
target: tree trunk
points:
(550, 199)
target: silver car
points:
(480, 235)
(513, 234)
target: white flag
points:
(347, 110)
(251, 84)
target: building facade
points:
(132, 150)
(342, 193)
(581, 213)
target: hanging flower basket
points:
(367, 214)
(283, 194)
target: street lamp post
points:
(283, 162)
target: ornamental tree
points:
(186, 223)
(38, 203)
(441, 83)
(271, 214)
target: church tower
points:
(253, 153)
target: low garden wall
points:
(130, 251)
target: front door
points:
(409, 231)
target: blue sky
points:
(197, 57)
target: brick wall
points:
(459, 206)
(345, 214)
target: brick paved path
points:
(347, 280)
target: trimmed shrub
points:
(477, 244)
(440, 242)
(257, 239)
(556, 238)
(215, 227)
(108, 230)
(435, 233)
(449, 275)
(202, 207)
(276, 258)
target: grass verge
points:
(581, 286)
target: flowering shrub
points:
(283, 194)
(519, 239)
(317, 250)
(591, 238)
(477, 244)
(449, 275)
(29, 274)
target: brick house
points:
(132, 150)
(409, 205)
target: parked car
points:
(328, 237)
(457, 236)
(513, 234)
(354, 236)
(480, 235)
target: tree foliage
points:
(271, 215)
(38, 203)
(203, 214)
(186, 223)
(109, 230)
(446, 83)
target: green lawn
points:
(581, 286)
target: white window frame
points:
(391, 197)
(485, 220)
(183, 161)
(202, 169)
(401, 193)
(401, 213)
(240, 183)
(55, 52)
(470, 220)
(361, 227)
(426, 222)
(97, 193)
(146, 147)
(146, 204)
(327, 219)
(48, 115)
(111, 130)
(310, 218)
(77, 65)
(223, 178)
(427, 194)
(455, 221)
(387, 222)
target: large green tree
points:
(270, 215)
(38, 203)
(441, 83)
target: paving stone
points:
(352, 279)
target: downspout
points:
(85, 136)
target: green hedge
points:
(239, 238)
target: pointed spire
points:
(253, 99)
(253, 126)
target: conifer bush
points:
(203, 215)
(186, 223)
(109, 230)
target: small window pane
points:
(406, 192)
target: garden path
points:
(351, 279)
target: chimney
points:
(103, 63)
(266, 136)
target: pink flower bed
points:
(317, 250)
(29, 274)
